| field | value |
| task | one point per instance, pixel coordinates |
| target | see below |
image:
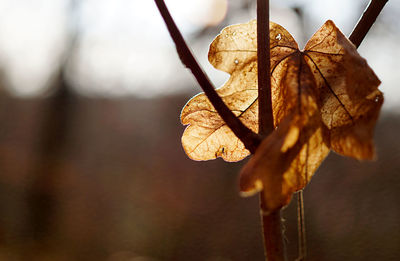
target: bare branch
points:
(366, 21)
(272, 228)
(263, 65)
(271, 222)
(250, 139)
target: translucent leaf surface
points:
(349, 98)
(324, 97)
(207, 136)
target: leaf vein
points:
(330, 88)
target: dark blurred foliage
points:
(120, 187)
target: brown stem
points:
(301, 227)
(263, 65)
(272, 232)
(250, 139)
(271, 222)
(366, 21)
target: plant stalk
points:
(266, 125)
(271, 222)
(366, 21)
(250, 139)
(301, 227)
(272, 233)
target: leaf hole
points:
(220, 152)
(278, 37)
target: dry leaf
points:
(348, 101)
(348, 88)
(285, 161)
(324, 97)
(207, 136)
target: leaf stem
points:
(366, 21)
(301, 227)
(250, 139)
(271, 222)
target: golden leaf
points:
(348, 89)
(285, 161)
(323, 98)
(330, 75)
(207, 136)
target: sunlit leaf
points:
(345, 92)
(323, 98)
(349, 98)
(285, 161)
(207, 136)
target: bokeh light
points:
(208, 12)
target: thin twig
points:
(301, 227)
(250, 139)
(271, 222)
(366, 21)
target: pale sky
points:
(125, 48)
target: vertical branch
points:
(271, 222)
(301, 226)
(263, 65)
(366, 21)
(272, 232)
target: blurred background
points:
(91, 165)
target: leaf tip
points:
(256, 187)
(330, 22)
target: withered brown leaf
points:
(324, 97)
(285, 161)
(330, 75)
(207, 136)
